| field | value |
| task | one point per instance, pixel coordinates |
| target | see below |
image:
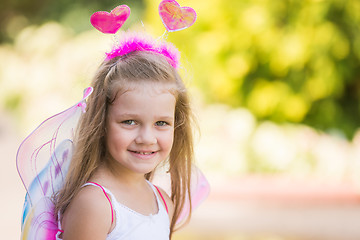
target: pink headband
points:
(173, 16)
(133, 42)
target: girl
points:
(137, 118)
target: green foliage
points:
(286, 60)
(17, 14)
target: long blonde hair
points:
(90, 148)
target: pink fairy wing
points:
(42, 161)
(199, 189)
(40, 223)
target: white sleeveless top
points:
(131, 225)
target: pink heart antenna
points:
(111, 22)
(175, 17)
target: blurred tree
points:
(17, 14)
(286, 60)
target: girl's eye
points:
(129, 122)
(161, 123)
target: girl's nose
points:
(146, 136)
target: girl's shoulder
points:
(91, 199)
(88, 212)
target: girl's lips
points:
(143, 154)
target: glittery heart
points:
(174, 17)
(110, 22)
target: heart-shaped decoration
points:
(174, 17)
(110, 22)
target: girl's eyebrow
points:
(128, 115)
(135, 116)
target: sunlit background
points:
(275, 87)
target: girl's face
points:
(140, 127)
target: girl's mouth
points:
(143, 153)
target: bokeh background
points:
(275, 88)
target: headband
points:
(173, 16)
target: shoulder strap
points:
(106, 195)
(167, 210)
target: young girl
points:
(137, 118)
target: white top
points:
(131, 225)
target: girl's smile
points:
(140, 127)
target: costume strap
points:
(167, 210)
(106, 195)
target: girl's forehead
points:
(146, 87)
(149, 101)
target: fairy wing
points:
(199, 189)
(42, 162)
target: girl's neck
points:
(120, 175)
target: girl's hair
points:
(118, 74)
